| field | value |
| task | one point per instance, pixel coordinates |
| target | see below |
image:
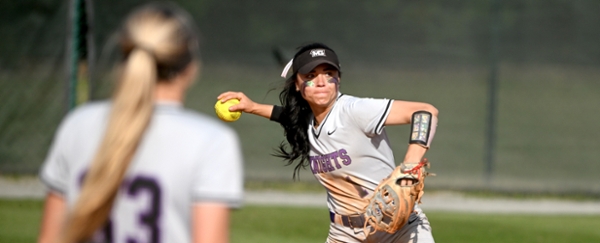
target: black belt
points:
(354, 221)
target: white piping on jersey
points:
(381, 122)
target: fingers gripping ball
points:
(222, 110)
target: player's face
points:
(320, 86)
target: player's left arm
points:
(53, 218)
(401, 111)
(210, 223)
(405, 112)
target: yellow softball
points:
(222, 110)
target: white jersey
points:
(350, 155)
(184, 157)
(350, 152)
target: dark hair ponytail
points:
(294, 119)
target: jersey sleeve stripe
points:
(381, 122)
(51, 185)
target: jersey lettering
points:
(314, 166)
(322, 164)
(329, 162)
(328, 165)
(148, 218)
(334, 156)
(346, 160)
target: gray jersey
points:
(350, 152)
(183, 158)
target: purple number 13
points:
(148, 218)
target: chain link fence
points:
(543, 55)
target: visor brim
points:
(312, 65)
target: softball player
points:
(141, 168)
(342, 139)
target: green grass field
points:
(20, 219)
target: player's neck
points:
(168, 92)
(320, 113)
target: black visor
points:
(308, 60)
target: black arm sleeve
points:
(276, 113)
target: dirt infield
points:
(31, 187)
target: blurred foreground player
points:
(140, 167)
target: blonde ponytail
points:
(131, 111)
(158, 43)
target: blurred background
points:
(517, 82)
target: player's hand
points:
(245, 105)
(407, 182)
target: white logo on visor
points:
(317, 53)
